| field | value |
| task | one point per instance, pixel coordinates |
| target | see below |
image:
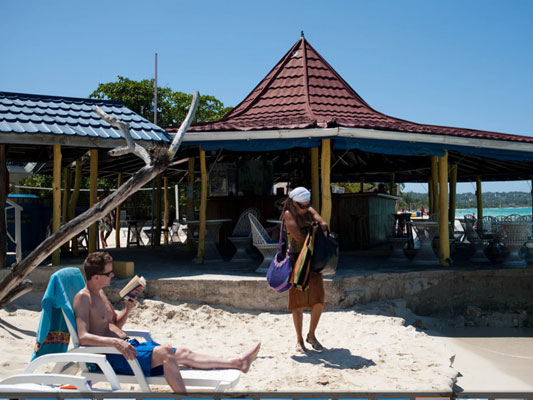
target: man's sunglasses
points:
(303, 207)
(108, 274)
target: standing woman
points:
(300, 219)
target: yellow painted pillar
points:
(56, 195)
(315, 186)
(203, 210)
(392, 186)
(435, 183)
(117, 214)
(453, 190)
(430, 196)
(325, 168)
(479, 198)
(189, 207)
(166, 209)
(66, 194)
(93, 194)
(157, 231)
(444, 233)
(74, 202)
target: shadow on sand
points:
(334, 358)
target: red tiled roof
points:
(304, 91)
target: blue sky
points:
(457, 63)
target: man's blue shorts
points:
(144, 356)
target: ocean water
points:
(493, 212)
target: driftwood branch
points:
(21, 289)
(12, 285)
(125, 129)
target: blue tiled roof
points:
(56, 115)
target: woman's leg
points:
(316, 312)
(297, 319)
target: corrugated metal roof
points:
(304, 91)
(56, 115)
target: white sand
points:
(364, 351)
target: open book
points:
(133, 288)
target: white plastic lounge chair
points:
(30, 381)
(241, 236)
(263, 242)
(194, 379)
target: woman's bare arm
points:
(292, 227)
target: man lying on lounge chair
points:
(100, 325)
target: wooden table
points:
(212, 226)
(134, 232)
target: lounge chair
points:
(241, 237)
(263, 242)
(65, 283)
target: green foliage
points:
(468, 200)
(172, 107)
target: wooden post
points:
(66, 194)
(392, 185)
(3, 197)
(532, 197)
(166, 209)
(73, 202)
(325, 169)
(117, 215)
(361, 184)
(444, 234)
(435, 183)
(56, 195)
(479, 198)
(189, 207)
(453, 190)
(203, 209)
(430, 196)
(315, 185)
(157, 231)
(93, 186)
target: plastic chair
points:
(241, 236)
(263, 242)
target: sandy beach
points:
(367, 349)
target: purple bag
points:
(280, 269)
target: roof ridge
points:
(73, 99)
(306, 79)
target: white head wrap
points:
(300, 194)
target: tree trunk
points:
(3, 197)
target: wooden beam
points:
(56, 196)
(203, 210)
(435, 183)
(73, 202)
(93, 187)
(479, 196)
(315, 184)
(444, 234)
(431, 206)
(325, 211)
(189, 207)
(166, 211)
(3, 197)
(392, 185)
(157, 230)
(453, 190)
(117, 215)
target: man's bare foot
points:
(248, 358)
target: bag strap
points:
(281, 237)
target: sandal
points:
(300, 348)
(315, 343)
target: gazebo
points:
(303, 103)
(56, 131)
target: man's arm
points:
(82, 305)
(122, 316)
